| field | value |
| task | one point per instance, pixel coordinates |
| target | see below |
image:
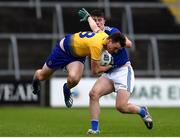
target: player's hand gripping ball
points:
(106, 58)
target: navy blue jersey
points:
(121, 57)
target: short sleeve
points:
(95, 53)
(110, 30)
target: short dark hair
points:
(118, 37)
(98, 13)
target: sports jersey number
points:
(86, 34)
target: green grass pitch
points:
(61, 122)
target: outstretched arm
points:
(93, 25)
(85, 16)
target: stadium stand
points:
(173, 9)
(28, 30)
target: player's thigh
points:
(75, 69)
(103, 86)
(122, 97)
(46, 72)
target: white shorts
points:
(123, 78)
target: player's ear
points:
(110, 40)
(119, 46)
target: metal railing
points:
(58, 25)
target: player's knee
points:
(121, 108)
(73, 79)
(93, 95)
(40, 75)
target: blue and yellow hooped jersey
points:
(84, 44)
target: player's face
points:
(113, 47)
(100, 21)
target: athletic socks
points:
(142, 112)
(66, 88)
(36, 86)
(95, 124)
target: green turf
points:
(61, 122)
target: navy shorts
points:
(59, 59)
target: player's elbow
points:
(128, 44)
(94, 72)
(94, 67)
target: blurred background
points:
(30, 28)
